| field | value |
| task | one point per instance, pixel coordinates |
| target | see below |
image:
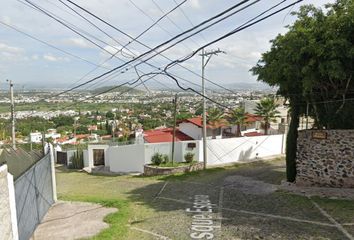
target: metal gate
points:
(98, 157)
(34, 196)
(62, 158)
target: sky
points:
(29, 63)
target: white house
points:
(36, 137)
(193, 127)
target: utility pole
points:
(114, 127)
(208, 55)
(13, 134)
(174, 129)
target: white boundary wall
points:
(232, 150)
(8, 217)
(131, 158)
(128, 158)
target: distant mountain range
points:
(117, 89)
(241, 86)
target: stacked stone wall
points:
(325, 158)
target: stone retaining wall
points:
(150, 170)
(325, 158)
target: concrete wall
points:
(132, 158)
(129, 158)
(191, 130)
(232, 150)
(85, 157)
(163, 148)
(195, 132)
(328, 161)
(90, 149)
(8, 221)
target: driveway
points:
(240, 202)
(72, 220)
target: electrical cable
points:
(48, 44)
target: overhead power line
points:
(125, 46)
(197, 74)
(49, 45)
(151, 50)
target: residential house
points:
(164, 135)
(193, 128)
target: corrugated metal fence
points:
(34, 196)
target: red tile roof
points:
(81, 136)
(164, 135)
(198, 121)
(253, 134)
(253, 118)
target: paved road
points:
(233, 203)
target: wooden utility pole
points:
(13, 132)
(204, 131)
(174, 129)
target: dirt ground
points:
(241, 202)
(72, 220)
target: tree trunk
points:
(291, 142)
(266, 128)
(214, 133)
(238, 130)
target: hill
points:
(118, 89)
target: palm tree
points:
(214, 120)
(237, 117)
(266, 108)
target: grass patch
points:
(117, 221)
(341, 210)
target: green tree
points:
(267, 109)
(215, 119)
(237, 117)
(63, 121)
(313, 64)
(110, 115)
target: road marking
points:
(280, 217)
(260, 214)
(161, 190)
(331, 219)
(151, 233)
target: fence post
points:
(52, 165)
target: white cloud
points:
(194, 3)
(51, 58)
(77, 42)
(11, 53)
(7, 48)
(6, 19)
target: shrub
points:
(77, 160)
(166, 159)
(157, 159)
(189, 157)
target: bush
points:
(77, 161)
(189, 157)
(166, 159)
(159, 158)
